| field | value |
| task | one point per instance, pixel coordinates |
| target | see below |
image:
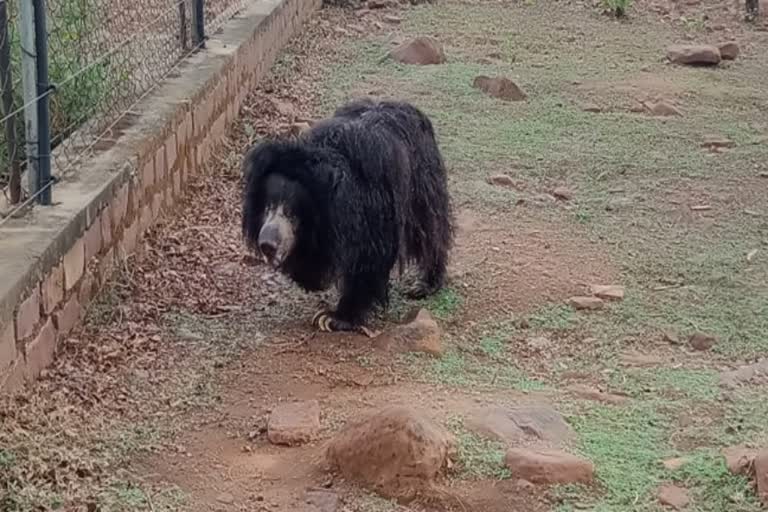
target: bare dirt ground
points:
(160, 401)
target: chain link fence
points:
(103, 57)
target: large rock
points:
(294, 423)
(739, 459)
(517, 425)
(674, 497)
(662, 108)
(694, 55)
(421, 334)
(729, 50)
(548, 467)
(499, 87)
(751, 373)
(397, 452)
(419, 51)
(607, 291)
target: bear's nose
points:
(268, 249)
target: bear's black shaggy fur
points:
(351, 197)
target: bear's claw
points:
(325, 321)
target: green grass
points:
(714, 487)
(478, 458)
(627, 445)
(699, 386)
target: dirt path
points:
(160, 401)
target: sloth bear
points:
(348, 199)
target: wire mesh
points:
(104, 56)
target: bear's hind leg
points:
(430, 280)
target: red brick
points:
(160, 164)
(145, 218)
(7, 347)
(12, 380)
(190, 129)
(168, 200)
(41, 351)
(68, 316)
(148, 174)
(106, 226)
(134, 203)
(53, 289)
(157, 205)
(218, 129)
(74, 264)
(28, 315)
(93, 240)
(177, 182)
(106, 266)
(120, 206)
(170, 152)
(87, 288)
(130, 239)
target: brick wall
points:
(108, 227)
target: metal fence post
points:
(43, 118)
(753, 9)
(29, 85)
(198, 23)
(6, 84)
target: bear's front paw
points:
(326, 321)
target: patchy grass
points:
(700, 386)
(713, 487)
(627, 445)
(478, 458)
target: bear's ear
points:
(257, 161)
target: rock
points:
(397, 452)
(745, 374)
(638, 359)
(717, 142)
(394, 20)
(501, 180)
(618, 203)
(739, 459)
(729, 50)
(586, 303)
(674, 464)
(294, 423)
(421, 51)
(702, 341)
(225, 498)
(607, 292)
(663, 109)
(761, 476)
(548, 467)
(521, 424)
(694, 55)
(592, 108)
(420, 334)
(563, 193)
(590, 393)
(673, 496)
(671, 337)
(321, 500)
(499, 87)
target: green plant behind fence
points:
(71, 53)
